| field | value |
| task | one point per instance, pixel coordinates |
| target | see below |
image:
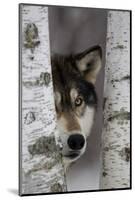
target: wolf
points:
(74, 78)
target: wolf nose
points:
(76, 141)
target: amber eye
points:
(78, 101)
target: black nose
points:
(76, 141)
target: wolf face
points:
(74, 77)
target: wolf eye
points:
(78, 101)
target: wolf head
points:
(74, 77)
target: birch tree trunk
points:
(116, 131)
(41, 167)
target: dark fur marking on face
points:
(66, 76)
(97, 47)
(87, 90)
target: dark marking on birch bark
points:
(104, 174)
(119, 46)
(125, 154)
(57, 187)
(46, 166)
(127, 77)
(43, 145)
(31, 57)
(31, 36)
(104, 102)
(29, 118)
(44, 79)
(122, 115)
(114, 80)
(106, 148)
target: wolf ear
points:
(89, 63)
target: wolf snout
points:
(76, 141)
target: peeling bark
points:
(116, 132)
(41, 163)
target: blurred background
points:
(73, 30)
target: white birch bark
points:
(116, 131)
(41, 162)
